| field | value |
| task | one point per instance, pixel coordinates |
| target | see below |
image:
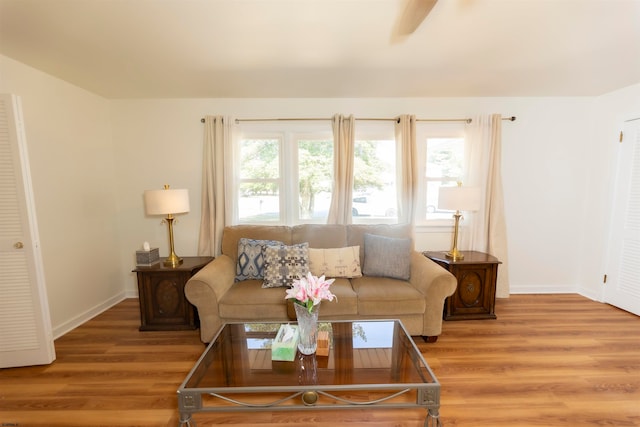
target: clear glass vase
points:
(308, 328)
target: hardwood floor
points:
(548, 360)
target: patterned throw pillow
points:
(284, 264)
(335, 262)
(251, 259)
(387, 257)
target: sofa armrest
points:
(205, 289)
(436, 284)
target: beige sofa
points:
(418, 302)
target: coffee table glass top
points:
(362, 353)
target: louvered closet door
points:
(623, 272)
(25, 325)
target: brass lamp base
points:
(455, 256)
(172, 260)
(454, 253)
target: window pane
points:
(315, 176)
(444, 166)
(259, 195)
(259, 158)
(445, 158)
(374, 186)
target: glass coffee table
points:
(372, 363)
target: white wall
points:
(544, 170)
(68, 132)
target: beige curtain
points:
(217, 135)
(343, 158)
(407, 169)
(487, 231)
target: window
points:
(315, 178)
(374, 174)
(260, 180)
(285, 175)
(285, 172)
(442, 160)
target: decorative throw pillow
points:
(335, 262)
(284, 264)
(251, 259)
(387, 257)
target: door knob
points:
(18, 245)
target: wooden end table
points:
(163, 305)
(475, 296)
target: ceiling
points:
(326, 48)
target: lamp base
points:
(172, 261)
(455, 255)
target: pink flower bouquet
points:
(310, 291)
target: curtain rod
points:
(291, 119)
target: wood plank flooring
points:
(548, 360)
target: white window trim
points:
(423, 132)
(288, 134)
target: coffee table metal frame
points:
(190, 399)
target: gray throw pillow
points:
(387, 257)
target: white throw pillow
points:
(335, 262)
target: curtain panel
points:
(343, 159)
(406, 167)
(216, 179)
(487, 231)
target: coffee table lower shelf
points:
(193, 402)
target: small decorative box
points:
(146, 258)
(285, 344)
(323, 343)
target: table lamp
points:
(167, 202)
(458, 199)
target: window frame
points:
(383, 130)
(289, 134)
(424, 132)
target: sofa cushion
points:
(345, 303)
(382, 296)
(335, 262)
(387, 257)
(250, 263)
(284, 264)
(248, 300)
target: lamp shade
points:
(459, 198)
(167, 201)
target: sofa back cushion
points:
(320, 236)
(233, 233)
(317, 235)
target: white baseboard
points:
(73, 323)
(543, 289)
(591, 295)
